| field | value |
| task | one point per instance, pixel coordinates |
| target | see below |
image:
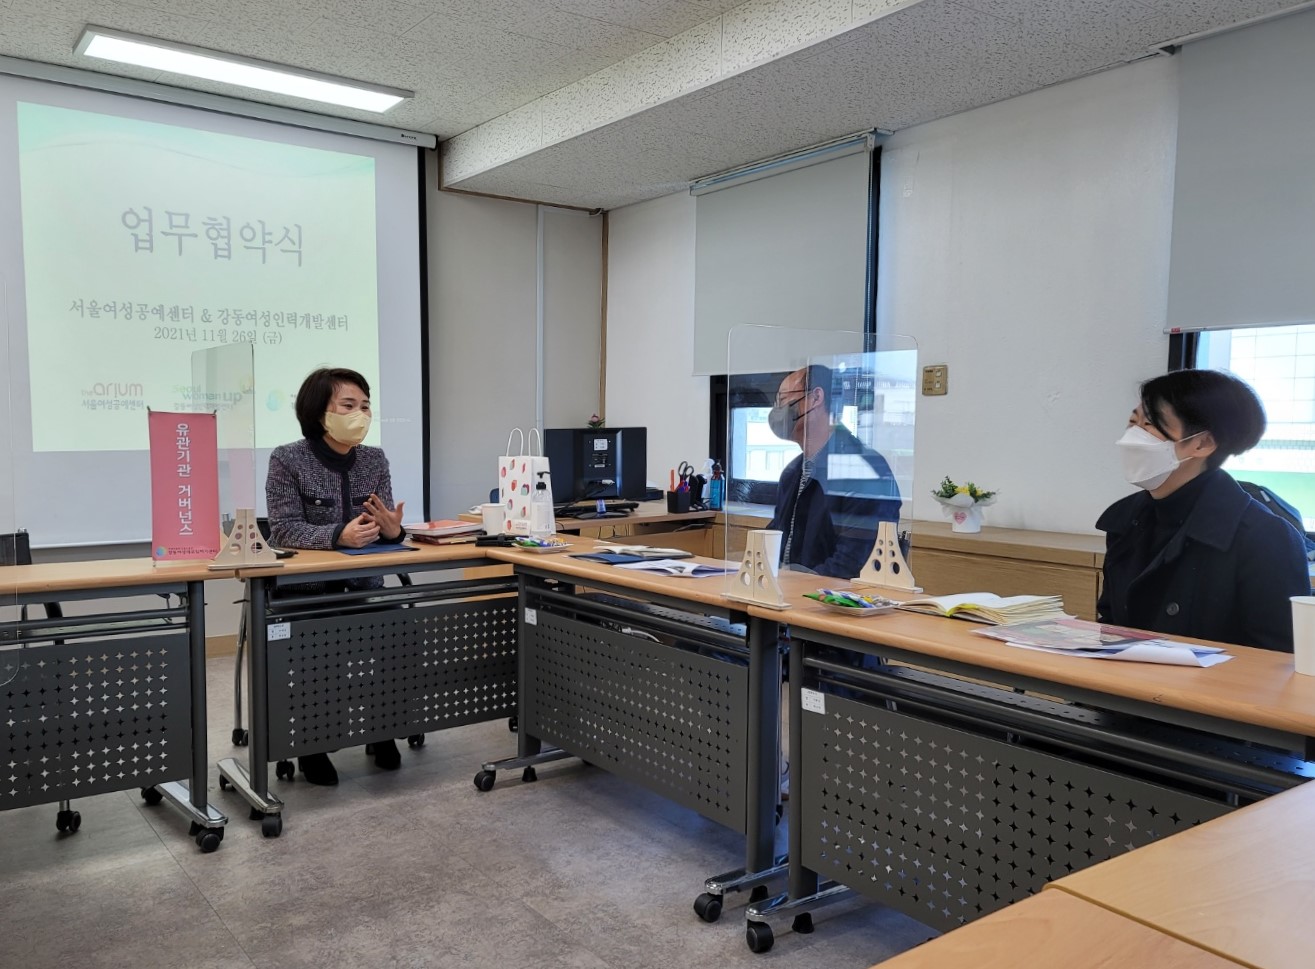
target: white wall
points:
(650, 332)
(1026, 244)
(483, 306)
(572, 321)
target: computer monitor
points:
(588, 463)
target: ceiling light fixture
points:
(175, 58)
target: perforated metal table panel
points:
(669, 718)
(343, 680)
(946, 825)
(85, 718)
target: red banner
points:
(184, 486)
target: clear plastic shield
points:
(819, 466)
(224, 382)
(11, 540)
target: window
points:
(1279, 362)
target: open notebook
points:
(989, 608)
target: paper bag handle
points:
(534, 433)
(514, 432)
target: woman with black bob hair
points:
(1192, 554)
(328, 491)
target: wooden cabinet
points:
(1009, 561)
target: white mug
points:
(492, 516)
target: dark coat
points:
(835, 520)
(1225, 575)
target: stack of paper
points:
(1092, 640)
(688, 570)
(989, 608)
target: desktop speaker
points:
(609, 462)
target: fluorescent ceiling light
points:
(165, 55)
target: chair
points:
(16, 549)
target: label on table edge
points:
(531, 616)
(278, 630)
(814, 701)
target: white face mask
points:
(1147, 460)
(348, 429)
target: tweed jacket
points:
(310, 502)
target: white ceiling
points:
(470, 61)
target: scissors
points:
(684, 471)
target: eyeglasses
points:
(786, 403)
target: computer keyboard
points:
(606, 508)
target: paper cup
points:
(492, 515)
(1303, 634)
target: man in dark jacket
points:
(832, 497)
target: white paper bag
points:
(517, 476)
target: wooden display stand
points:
(886, 567)
(757, 582)
(244, 546)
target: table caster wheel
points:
(151, 796)
(802, 924)
(415, 741)
(759, 894)
(285, 770)
(68, 821)
(223, 783)
(758, 936)
(708, 907)
(255, 814)
(513, 724)
(240, 737)
(271, 825)
(484, 780)
(528, 776)
(207, 839)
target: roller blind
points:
(788, 250)
(1244, 193)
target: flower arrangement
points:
(975, 495)
(963, 504)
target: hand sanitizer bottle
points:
(542, 522)
(716, 488)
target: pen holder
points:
(677, 502)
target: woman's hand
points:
(359, 532)
(389, 522)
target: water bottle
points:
(716, 488)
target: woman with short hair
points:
(1192, 554)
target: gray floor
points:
(399, 869)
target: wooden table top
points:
(648, 513)
(101, 574)
(1240, 885)
(1257, 686)
(314, 561)
(1053, 930)
(705, 591)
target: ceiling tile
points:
(664, 17)
(383, 16)
(581, 33)
(762, 29)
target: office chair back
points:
(16, 549)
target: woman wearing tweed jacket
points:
(327, 491)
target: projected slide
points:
(143, 242)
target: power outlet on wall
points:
(936, 380)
